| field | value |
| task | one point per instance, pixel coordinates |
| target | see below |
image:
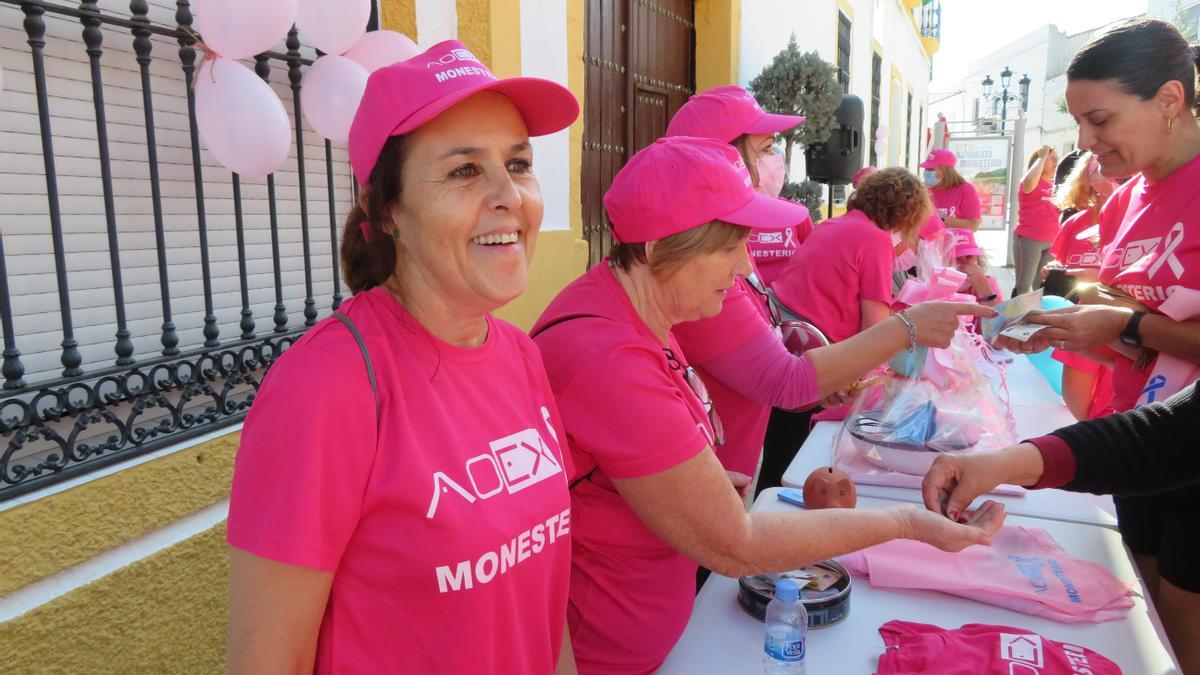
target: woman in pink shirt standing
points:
(400, 501)
(731, 114)
(1037, 220)
(955, 199)
(649, 498)
(1132, 90)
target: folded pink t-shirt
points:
(1037, 216)
(1024, 570)
(982, 649)
(444, 515)
(629, 412)
(846, 260)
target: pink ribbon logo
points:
(1173, 239)
(789, 238)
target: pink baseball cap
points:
(964, 242)
(681, 182)
(405, 95)
(938, 158)
(724, 113)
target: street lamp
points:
(1004, 96)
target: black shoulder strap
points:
(563, 319)
(366, 355)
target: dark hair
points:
(893, 198)
(367, 264)
(1141, 55)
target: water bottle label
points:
(785, 650)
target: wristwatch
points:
(1130, 336)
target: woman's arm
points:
(872, 312)
(275, 613)
(965, 223)
(1030, 180)
(692, 507)
(1085, 327)
(566, 655)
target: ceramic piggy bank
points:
(829, 488)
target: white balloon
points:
(237, 29)
(241, 120)
(329, 97)
(882, 132)
(381, 48)
(333, 26)
(881, 147)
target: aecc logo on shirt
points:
(514, 463)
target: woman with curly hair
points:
(841, 278)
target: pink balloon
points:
(241, 120)
(330, 93)
(333, 26)
(380, 48)
(237, 29)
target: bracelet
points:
(910, 326)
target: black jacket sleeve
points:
(1145, 450)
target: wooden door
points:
(639, 62)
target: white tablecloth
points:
(1036, 413)
(722, 638)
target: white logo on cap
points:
(454, 55)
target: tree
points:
(799, 84)
(807, 193)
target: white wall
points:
(767, 25)
(544, 54)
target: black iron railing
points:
(61, 426)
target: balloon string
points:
(209, 54)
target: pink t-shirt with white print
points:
(846, 260)
(445, 519)
(629, 412)
(771, 249)
(1073, 252)
(1037, 216)
(1154, 252)
(961, 201)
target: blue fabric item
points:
(917, 428)
(1046, 365)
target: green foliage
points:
(799, 84)
(807, 193)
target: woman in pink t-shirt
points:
(400, 501)
(1133, 91)
(1037, 220)
(731, 114)
(1086, 384)
(649, 498)
(955, 199)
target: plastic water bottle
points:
(786, 631)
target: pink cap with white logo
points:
(681, 182)
(938, 158)
(405, 95)
(724, 113)
(964, 242)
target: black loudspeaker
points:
(837, 160)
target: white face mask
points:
(931, 178)
(770, 174)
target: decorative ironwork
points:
(53, 429)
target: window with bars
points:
(843, 51)
(876, 97)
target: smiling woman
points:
(363, 508)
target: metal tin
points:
(825, 608)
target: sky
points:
(974, 28)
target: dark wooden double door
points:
(639, 64)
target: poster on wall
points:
(985, 163)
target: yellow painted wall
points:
(718, 42)
(399, 15)
(163, 614)
(51, 534)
